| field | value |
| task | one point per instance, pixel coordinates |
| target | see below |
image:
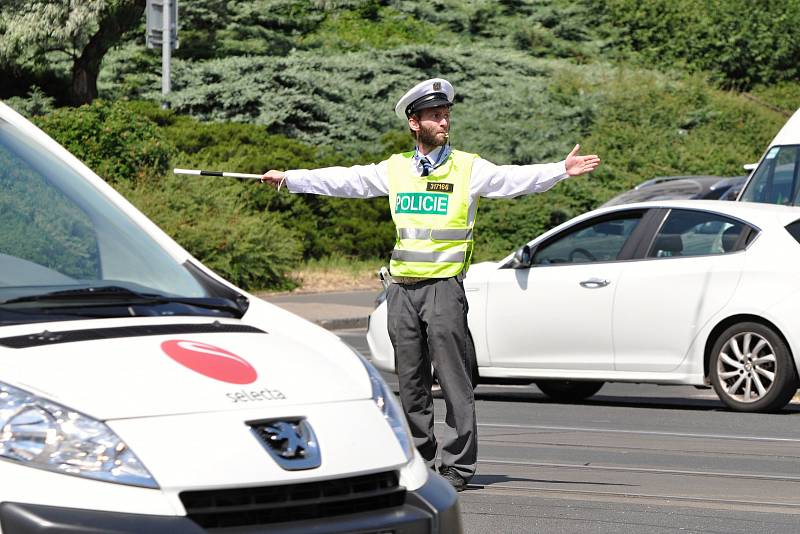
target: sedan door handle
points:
(594, 283)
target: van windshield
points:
(68, 252)
(775, 181)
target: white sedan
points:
(668, 292)
(141, 392)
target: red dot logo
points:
(210, 361)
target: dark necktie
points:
(427, 168)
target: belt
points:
(408, 280)
(411, 280)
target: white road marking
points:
(640, 432)
(665, 500)
(650, 470)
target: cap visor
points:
(435, 103)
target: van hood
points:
(149, 371)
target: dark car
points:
(682, 187)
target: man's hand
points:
(577, 165)
(273, 178)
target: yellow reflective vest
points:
(431, 215)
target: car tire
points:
(569, 390)
(751, 369)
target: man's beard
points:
(428, 136)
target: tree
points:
(31, 31)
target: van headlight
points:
(387, 403)
(43, 434)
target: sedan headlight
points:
(389, 407)
(40, 433)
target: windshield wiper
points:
(116, 295)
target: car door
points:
(555, 313)
(687, 273)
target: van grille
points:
(293, 502)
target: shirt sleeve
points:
(508, 181)
(358, 181)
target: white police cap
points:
(428, 94)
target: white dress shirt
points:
(367, 181)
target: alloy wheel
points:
(746, 367)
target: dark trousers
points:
(428, 325)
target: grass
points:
(337, 273)
(783, 97)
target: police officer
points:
(433, 196)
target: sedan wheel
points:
(568, 390)
(751, 369)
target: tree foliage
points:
(34, 27)
(33, 31)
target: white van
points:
(141, 392)
(776, 180)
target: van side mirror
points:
(522, 258)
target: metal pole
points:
(166, 52)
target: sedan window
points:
(696, 233)
(597, 241)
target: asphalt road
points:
(632, 459)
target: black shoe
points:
(454, 478)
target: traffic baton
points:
(198, 172)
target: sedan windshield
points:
(68, 252)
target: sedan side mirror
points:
(522, 258)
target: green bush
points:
(646, 125)
(129, 71)
(345, 102)
(370, 27)
(35, 104)
(742, 41)
(323, 225)
(114, 141)
(252, 250)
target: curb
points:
(343, 323)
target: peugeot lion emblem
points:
(290, 442)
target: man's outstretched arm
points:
(508, 181)
(358, 181)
